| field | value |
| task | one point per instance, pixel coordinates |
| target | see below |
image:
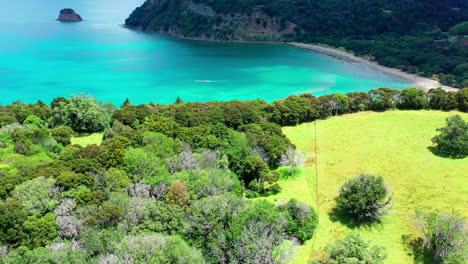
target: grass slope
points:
(95, 138)
(392, 144)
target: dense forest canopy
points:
(423, 37)
(172, 180)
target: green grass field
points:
(84, 141)
(392, 144)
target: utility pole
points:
(316, 170)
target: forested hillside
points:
(423, 37)
(169, 183)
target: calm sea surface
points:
(41, 59)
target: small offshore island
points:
(69, 15)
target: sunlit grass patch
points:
(392, 144)
(95, 138)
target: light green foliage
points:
(255, 233)
(81, 194)
(150, 215)
(44, 255)
(208, 182)
(460, 29)
(156, 248)
(83, 114)
(207, 229)
(92, 139)
(143, 164)
(159, 144)
(40, 230)
(163, 125)
(353, 249)
(36, 195)
(445, 235)
(33, 121)
(97, 242)
(115, 180)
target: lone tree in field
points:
(453, 139)
(365, 197)
(293, 158)
(445, 235)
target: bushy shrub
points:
(62, 134)
(445, 235)
(353, 249)
(453, 139)
(365, 197)
(302, 219)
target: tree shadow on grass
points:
(442, 154)
(337, 215)
(417, 250)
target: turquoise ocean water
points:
(41, 59)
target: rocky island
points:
(69, 15)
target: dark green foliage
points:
(383, 99)
(437, 99)
(413, 98)
(269, 138)
(453, 139)
(106, 215)
(12, 217)
(62, 134)
(302, 219)
(445, 235)
(353, 249)
(254, 167)
(364, 197)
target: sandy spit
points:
(418, 81)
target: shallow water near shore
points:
(41, 58)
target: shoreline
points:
(418, 81)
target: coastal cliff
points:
(195, 19)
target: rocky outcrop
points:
(196, 19)
(69, 15)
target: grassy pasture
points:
(392, 144)
(95, 138)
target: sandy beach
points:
(418, 81)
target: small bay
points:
(41, 58)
